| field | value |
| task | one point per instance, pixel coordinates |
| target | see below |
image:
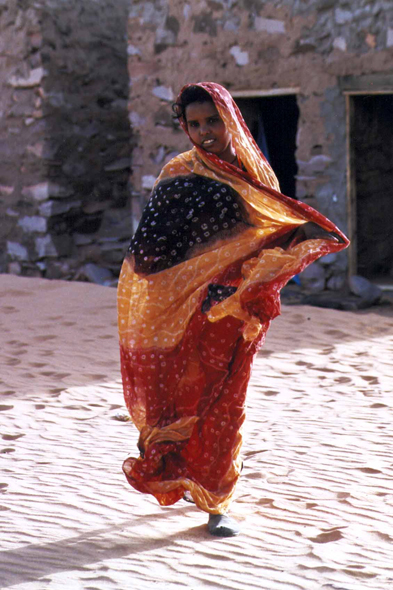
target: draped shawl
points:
(197, 291)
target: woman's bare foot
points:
(221, 525)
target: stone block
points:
(205, 23)
(45, 247)
(33, 224)
(56, 270)
(36, 149)
(52, 208)
(14, 268)
(5, 191)
(361, 287)
(164, 93)
(96, 274)
(34, 78)
(163, 117)
(148, 182)
(336, 282)
(121, 164)
(82, 240)
(38, 192)
(241, 57)
(269, 25)
(340, 43)
(16, 250)
(53, 246)
(45, 190)
(329, 259)
(136, 120)
(315, 165)
(389, 38)
(232, 22)
(313, 278)
(132, 50)
(166, 34)
(342, 16)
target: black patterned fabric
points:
(182, 214)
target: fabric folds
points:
(197, 292)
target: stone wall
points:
(313, 47)
(65, 138)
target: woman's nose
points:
(204, 129)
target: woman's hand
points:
(313, 231)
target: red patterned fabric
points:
(197, 292)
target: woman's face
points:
(207, 130)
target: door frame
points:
(351, 184)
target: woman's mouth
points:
(208, 142)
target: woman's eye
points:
(193, 124)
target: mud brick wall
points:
(65, 139)
(314, 46)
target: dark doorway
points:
(273, 122)
(371, 141)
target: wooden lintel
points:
(366, 92)
(351, 188)
(263, 93)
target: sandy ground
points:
(316, 498)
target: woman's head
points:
(190, 95)
(197, 110)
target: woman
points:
(197, 291)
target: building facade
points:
(314, 75)
(86, 121)
(65, 138)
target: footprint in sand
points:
(45, 338)
(96, 376)
(343, 495)
(4, 407)
(12, 436)
(249, 454)
(254, 475)
(370, 379)
(342, 380)
(7, 309)
(56, 391)
(369, 470)
(266, 502)
(336, 333)
(7, 450)
(15, 293)
(330, 537)
(12, 362)
(304, 364)
(54, 374)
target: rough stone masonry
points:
(65, 138)
(83, 139)
(317, 48)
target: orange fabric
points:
(185, 367)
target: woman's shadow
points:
(33, 562)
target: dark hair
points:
(190, 95)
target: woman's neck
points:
(229, 155)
